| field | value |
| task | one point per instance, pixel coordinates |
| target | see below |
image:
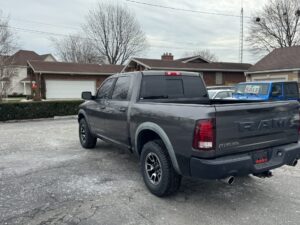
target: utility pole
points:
(241, 45)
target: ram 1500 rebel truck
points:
(169, 122)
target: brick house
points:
(214, 73)
(282, 64)
(62, 80)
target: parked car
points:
(219, 93)
(168, 121)
(220, 87)
(267, 90)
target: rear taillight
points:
(204, 135)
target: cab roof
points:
(266, 82)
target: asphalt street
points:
(47, 178)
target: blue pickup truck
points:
(267, 90)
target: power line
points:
(47, 24)
(42, 23)
(185, 10)
(38, 31)
(86, 38)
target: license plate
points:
(260, 157)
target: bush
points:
(34, 110)
(16, 95)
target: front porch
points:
(26, 86)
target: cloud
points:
(167, 30)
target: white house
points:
(19, 83)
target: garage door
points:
(64, 89)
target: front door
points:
(276, 92)
(117, 120)
(99, 111)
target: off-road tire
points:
(87, 140)
(170, 181)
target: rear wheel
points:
(157, 169)
(86, 138)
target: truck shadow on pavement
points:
(245, 189)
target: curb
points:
(42, 119)
(65, 117)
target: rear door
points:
(291, 91)
(254, 126)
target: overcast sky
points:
(167, 30)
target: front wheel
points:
(157, 169)
(87, 140)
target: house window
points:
(219, 78)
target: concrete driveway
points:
(47, 178)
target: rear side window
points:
(105, 89)
(291, 90)
(121, 88)
(172, 87)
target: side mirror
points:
(87, 95)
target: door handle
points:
(122, 109)
(102, 107)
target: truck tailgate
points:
(255, 126)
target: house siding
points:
(16, 87)
(209, 78)
(229, 78)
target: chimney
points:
(167, 57)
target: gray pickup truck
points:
(168, 121)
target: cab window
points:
(276, 90)
(121, 89)
(105, 89)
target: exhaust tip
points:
(295, 162)
(228, 180)
(269, 174)
(231, 180)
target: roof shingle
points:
(279, 59)
(214, 66)
(21, 57)
(73, 68)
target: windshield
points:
(257, 89)
(211, 93)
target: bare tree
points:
(204, 53)
(7, 46)
(115, 32)
(276, 26)
(76, 48)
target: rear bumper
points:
(242, 164)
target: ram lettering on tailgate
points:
(268, 124)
